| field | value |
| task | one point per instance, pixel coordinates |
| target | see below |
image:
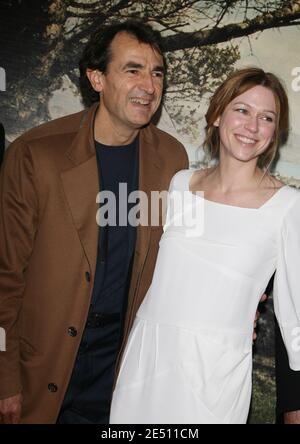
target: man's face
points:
(131, 89)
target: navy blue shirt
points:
(117, 165)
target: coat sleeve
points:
(18, 226)
(287, 284)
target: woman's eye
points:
(241, 110)
(267, 118)
(132, 71)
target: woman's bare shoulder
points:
(274, 183)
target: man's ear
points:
(95, 77)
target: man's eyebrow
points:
(160, 68)
(265, 110)
(135, 65)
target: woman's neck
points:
(231, 175)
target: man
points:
(287, 380)
(287, 384)
(64, 282)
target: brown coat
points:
(48, 241)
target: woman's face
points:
(247, 124)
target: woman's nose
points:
(252, 124)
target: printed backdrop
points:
(41, 42)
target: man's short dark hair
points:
(97, 53)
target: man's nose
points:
(147, 83)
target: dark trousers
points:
(88, 397)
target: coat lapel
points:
(149, 180)
(81, 185)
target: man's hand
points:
(292, 417)
(262, 299)
(10, 409)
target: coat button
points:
(72, 332)
(52, 387)
(88, 276)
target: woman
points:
(189, 355)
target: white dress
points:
(189, 355)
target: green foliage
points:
(264, 392)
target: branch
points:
(123, 4)
(92, 9)
(80, 5)
(223, 12)
(286, 16)
(170, 116)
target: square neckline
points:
(212, 202)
